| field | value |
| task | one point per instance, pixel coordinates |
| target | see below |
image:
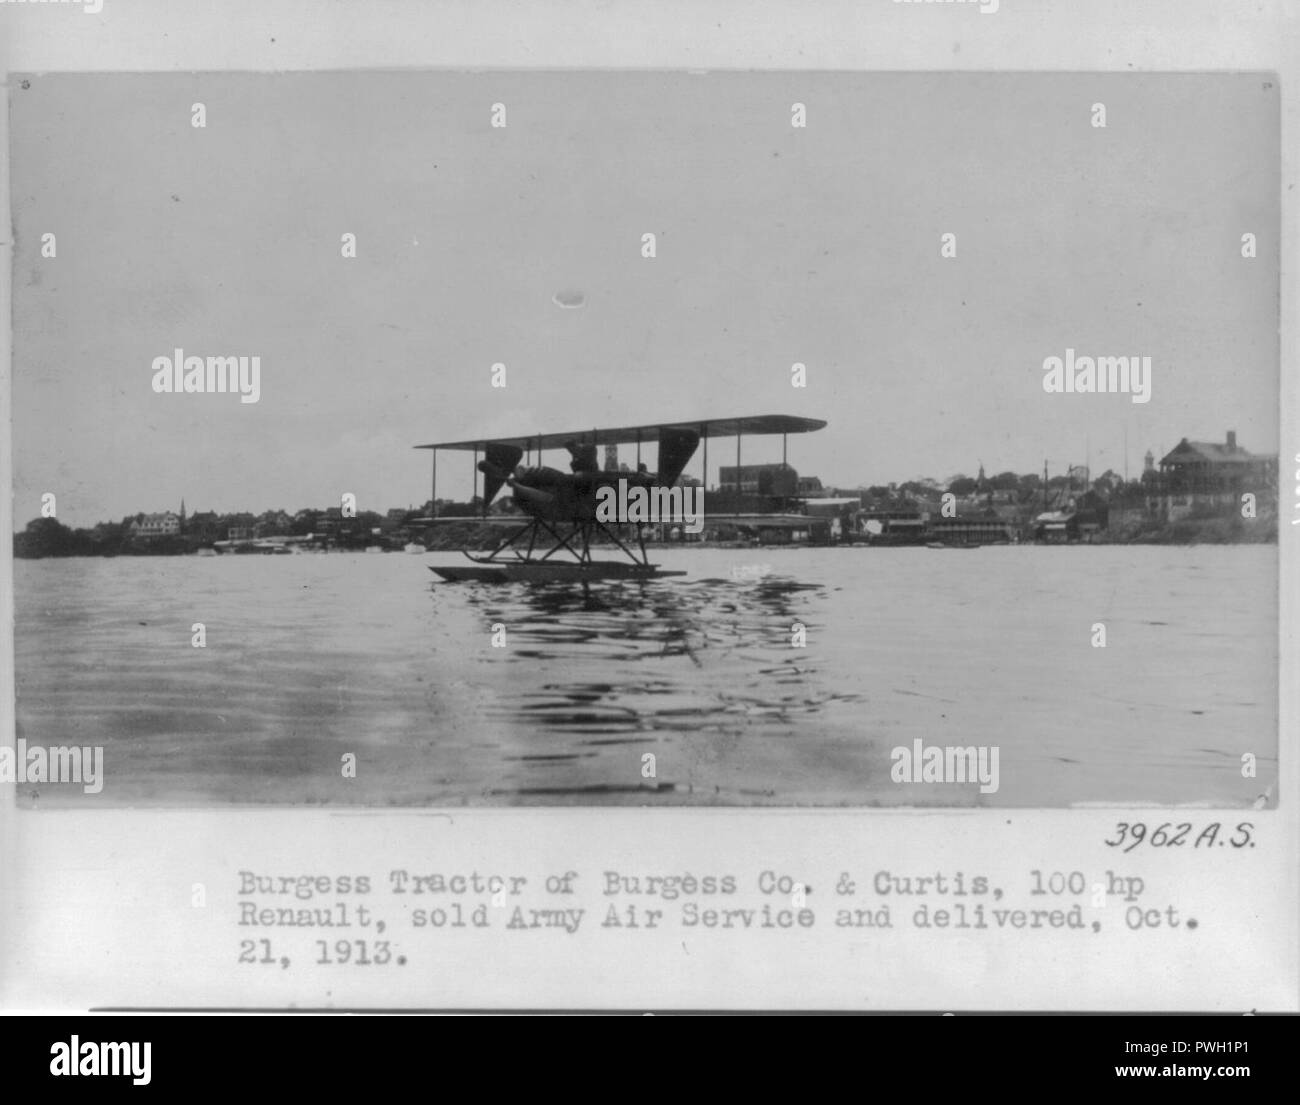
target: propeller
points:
(498, 468)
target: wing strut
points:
(705, 431)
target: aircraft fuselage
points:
(556, 496)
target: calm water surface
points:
(312, 657)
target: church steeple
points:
(182, 513)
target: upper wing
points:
(623, 435)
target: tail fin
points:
(676, 447)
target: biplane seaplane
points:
(566, 513)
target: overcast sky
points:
(774, 245)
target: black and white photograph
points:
(767, 439)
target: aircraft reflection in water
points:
(647, 663)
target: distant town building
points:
(836, 513)
(969, 529)
(760, 479)
(165, 524)
(809, 485)
(272, 523)
(203, 527)
(239, 527)
(893, 526)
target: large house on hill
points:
(1206, 472)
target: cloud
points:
(569, 300)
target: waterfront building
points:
(165, 524)
(1205, 473)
